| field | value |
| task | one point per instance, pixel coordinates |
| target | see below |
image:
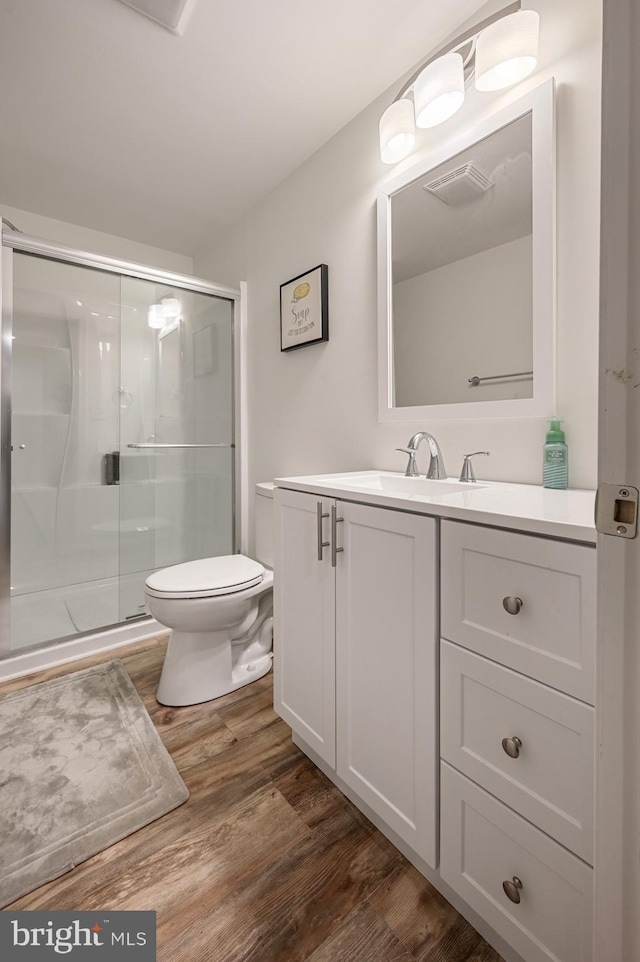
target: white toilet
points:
(220, 611)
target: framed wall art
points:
(304, 309)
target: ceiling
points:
(111, 121)
(428, 234)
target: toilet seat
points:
(206, 578)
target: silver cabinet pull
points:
(512, 605)
(320, 514)
(512, 746)
(335, 521)
(512, 889)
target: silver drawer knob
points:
(512, 605)
(512, 889)
(512, 746)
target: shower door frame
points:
(14, 241)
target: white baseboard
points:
(29, 661)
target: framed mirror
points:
(466, 273)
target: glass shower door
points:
(176, 455)
(65, 415)
(122, 456)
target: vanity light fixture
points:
(507, 51)
(439, 90)
(158, 315)
(397, 131)
(155, 316)
(496, 53)
(171, 307)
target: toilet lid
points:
(206, 578)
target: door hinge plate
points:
(616, 511)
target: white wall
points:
(316, 409)
(71, 235)
(472, 317)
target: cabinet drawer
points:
(550, 782)
(552, 635)
(483, 844)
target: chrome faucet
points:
(436, 467)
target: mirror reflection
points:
(462, 275)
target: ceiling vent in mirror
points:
(172, 14)
(459, 186)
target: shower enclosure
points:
(117, 447)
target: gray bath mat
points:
(81, 766)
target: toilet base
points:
(199, 666)
(241, 676)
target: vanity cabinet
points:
(355, 641)
(517, 735)
(390, 617)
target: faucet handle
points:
(411, 470)
(467, 472)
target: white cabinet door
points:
(304, 621)
(386, 645)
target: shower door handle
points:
(153, 444)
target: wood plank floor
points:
(266, 861)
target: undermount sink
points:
(385, 482)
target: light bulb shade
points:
(439, 90)
(171, 307)
(507, 51)
(397, 132)
(155, 316)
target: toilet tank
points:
(264, 523)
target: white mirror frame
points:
(540, 102)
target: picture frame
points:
(304, 309)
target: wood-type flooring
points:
(267, 861)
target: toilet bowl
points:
(220, 614)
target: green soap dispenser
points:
(555, 463)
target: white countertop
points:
(265, 488)
(522, 507)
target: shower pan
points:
(117, 423)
